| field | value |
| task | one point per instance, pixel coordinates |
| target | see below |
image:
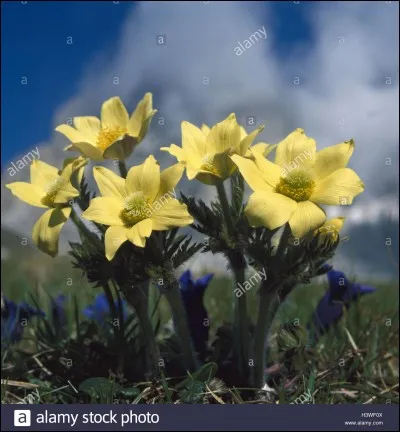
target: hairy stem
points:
(223, 199)
(238, 265)
(147, 329)
(269, 303)
(173, 296)
(116, 328)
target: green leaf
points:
(204, 374)
(98, 386)
(192, 394)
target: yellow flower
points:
(331, 229)
(134, 207)
(291, 189)
(52, 189)
(116, 135)
(205, 152)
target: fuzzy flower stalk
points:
(134, 208)
(207, 154)
(290, 192)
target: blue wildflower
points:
(100, 312)
(192, 293)
(14, 318)
(340, 295)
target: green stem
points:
(269, 303)
(173, 296)
(122, 168)
(116, 329)
(147, 329)
(241, 322)
(283, 242)
(225, 208)
(238, 265)
(121, 329)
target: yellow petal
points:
(191, 171)
(73, 169)
(224, 136)
(120, 149)
(269, 209)
(205, 129)
(176, 151)
(29, 193)
(169, 178)
(339, 188)
(332, 225)
(88, 150)
(171, 214)
(333, 158)
(47, 229)
(88, 126)
(71, 133)
(114, 114)
(262, 148)
(193, 141)
(109, 183)
(209, 179)
(297, 148)
(307, 217)
(115, 236)
(270, 172)
(145, 178)
(139, 232)
(141, 117)
(336, 223)
(65, 193)
(42, 173)
(243, 133)
(248, 140)
(105, 210)
(250, 173)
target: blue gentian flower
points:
(100, 312)
(192, 293)
(14, 318)
(340, 295)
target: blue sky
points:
(34, 45)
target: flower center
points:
(108, 136)
(136, 209)
(297, 185)
(52, 190)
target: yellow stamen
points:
(297, 185)
(52, 190)
(208, 164)
(136, 209)
(108, 136)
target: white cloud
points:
(341, 94)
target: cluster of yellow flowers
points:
(291, 189)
